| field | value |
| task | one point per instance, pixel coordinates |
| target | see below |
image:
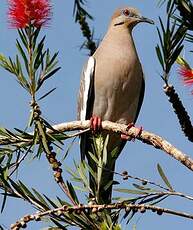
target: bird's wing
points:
(86, 92)
(86, 99)
(141, 96)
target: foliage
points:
(172, 36)
(171, 39)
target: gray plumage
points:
(115, 92)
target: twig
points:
(125, 176)
(86, 32)
(97, 208)
(179, 194)
(51, 157)
(17, 194)
(81, 16)
(17, 164)
(146, 137)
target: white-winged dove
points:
(112, 88)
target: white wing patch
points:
(88, 75)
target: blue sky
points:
(156, 115)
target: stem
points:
(98, 208)
(29, 32)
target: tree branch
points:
(97, 208)
(146, 137)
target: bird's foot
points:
(95, 124)
(126, 137)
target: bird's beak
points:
(143, 19)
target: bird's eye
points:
(126, 12)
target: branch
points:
(97, 208)
(144, 181)
(180, 111)
(16, 193)
(81, 16)
(146, 137)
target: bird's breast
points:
(117, 86)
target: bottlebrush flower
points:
(187, 75)
(22, 13)
(185, 71)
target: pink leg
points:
(95, 123)
(137, 134)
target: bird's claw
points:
(137, 133)
(95, 124)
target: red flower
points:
(25, 12)
(187, 75)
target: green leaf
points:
(4, 200)
(71, 172)
(7, 64)
(50, 61)
(62, 202)
(68, 148)
(141, 187)
(35, 36)
(160, 39)
(91, 171)
(58, 224)
(30, 122)
(45, 77)
(179, 36)
(21, 51)
(82, 172)
(164, 178)
(46, 94)
(158, 200)
(51, 202)
(5, 174)
(131, 191)
(41, 199)
(26, 190)
(81, 189)
(23, 37)
(18, 189)
(24, 134)
(40, 45)
(50, 67)
(175, 54)
(159, 55)
(38, 52)
(42, 133)
(39, 59)
(72, 192)
(50, 74)
(162, 26)
(117, 227)
(108, 185)
(93, 158)
(12, 66)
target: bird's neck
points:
(120, 37)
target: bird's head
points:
(128, 17)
